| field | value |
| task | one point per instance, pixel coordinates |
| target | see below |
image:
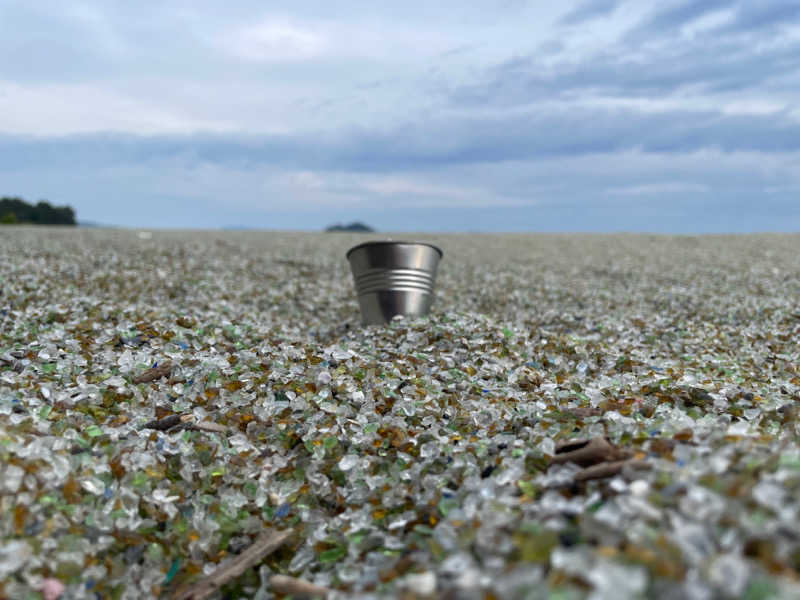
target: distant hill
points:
(16, 210)
(354, 227)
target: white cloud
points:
(708, 22)
(658, 188)
(273, 40)
(60, 109)
(404, 186)
(406, 190)
(727, 104)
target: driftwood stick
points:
(584, 452)
(571, 444)
(609, 469)
(167, 422)
(208, 426)
(265, 545)
(158, 372)
(295, 587)
(185, 422)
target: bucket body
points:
(393, 278)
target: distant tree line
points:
(16, 210)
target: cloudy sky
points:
(582, 115)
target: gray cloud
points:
(751, 17)
(428, 144)
(588, 10)
(766, 14)
(710, 62)
(678, 14)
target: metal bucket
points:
(393, 278)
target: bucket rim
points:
(393, 243)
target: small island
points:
(354, 227)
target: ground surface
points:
(426, 458)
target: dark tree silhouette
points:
(16, 210)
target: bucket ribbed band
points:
(407, 280)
